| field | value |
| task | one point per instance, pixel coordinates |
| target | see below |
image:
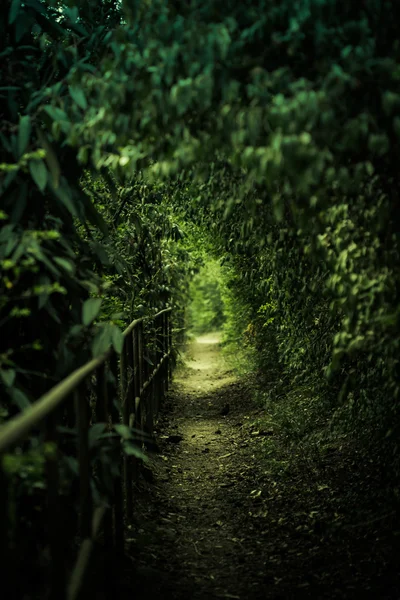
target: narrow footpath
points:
(212, 520)
(198, 537)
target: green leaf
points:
(8, 376)
(90, 310)
(19, 399)
(131, 450)
(124, 431)
(67, 265)
(14, 10)
(95, 433)
(57, 114)
(148, 360)
(24, 133)
(102, 341)
(78, 96)
(38, 171)
(42, 258)
(117, 339)
(63, 193)
(75, 330)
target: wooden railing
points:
(124, 390)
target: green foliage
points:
(90, 310)
(272, 127)
(72, 238)
(206, 309)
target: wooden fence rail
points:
(127, 390)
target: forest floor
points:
(227, 509)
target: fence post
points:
(170, 345)
(165, 351)
(136, 375)
(149, 367)
(102, 414)
(7, 554)
(154, 387)
(140, 354)
(85, 496)
(141, 367)
(54, 518)
(114, 390)
(53, 410)
(126, 362)
(159, 356)
(101, 395)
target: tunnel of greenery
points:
(239, 159)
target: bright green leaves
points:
(90, 310)
(8, 376)
(117, 339)
(181, 95)
(107, 335)
(222, 39)
(61, 123)
(65, 264)
(132, 441)
(38, 170)
(124, 431)
(78, 95)
(101, 341)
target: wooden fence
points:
(125, 390)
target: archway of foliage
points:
(206, 308)
(273, 125)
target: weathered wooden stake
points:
(54, 518)
(102, 413)
(127, 409)
(114, 392)
(85, 496)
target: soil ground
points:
(214, 520)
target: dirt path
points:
(191, 526)
(227, 509)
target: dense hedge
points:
(274, 125)
(70, 234)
